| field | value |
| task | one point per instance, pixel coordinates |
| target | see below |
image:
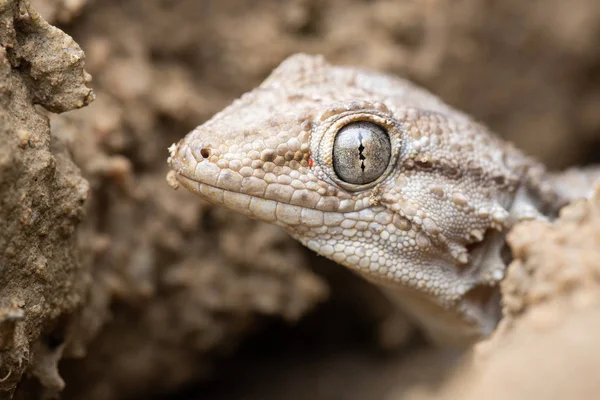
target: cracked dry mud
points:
(113, 286)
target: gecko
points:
(380, 176)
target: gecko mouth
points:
(255, 207)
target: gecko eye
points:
(361, 152)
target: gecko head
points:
(295, 151)
(365, 169)
(271, 154)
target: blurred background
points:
(189, 301)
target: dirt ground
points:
(114, 286)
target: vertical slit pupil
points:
(361, 156)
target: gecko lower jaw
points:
(266, 210)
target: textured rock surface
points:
(552, 316)
(42, 196)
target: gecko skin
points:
(378, 175)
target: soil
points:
(114, 286)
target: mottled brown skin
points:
(429, 229)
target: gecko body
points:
(378, 175)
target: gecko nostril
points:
(205, 152)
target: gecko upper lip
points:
(255, 207)
(200, 177)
